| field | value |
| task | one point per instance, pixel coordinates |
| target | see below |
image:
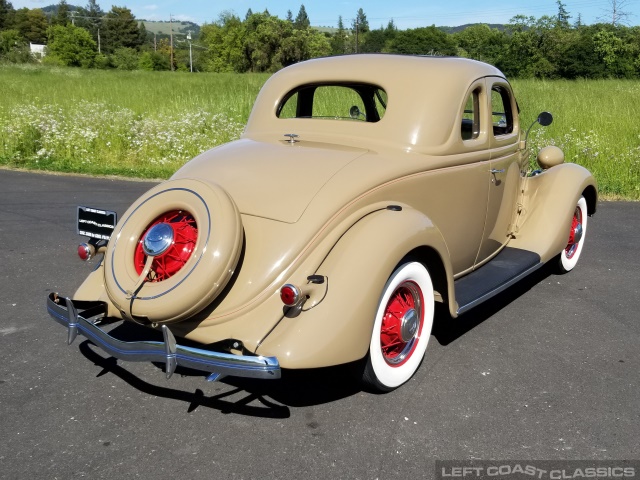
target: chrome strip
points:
(168, 352)
(498, 289)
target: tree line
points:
(548, 47)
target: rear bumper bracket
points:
(81, 318)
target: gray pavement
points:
(548, 370)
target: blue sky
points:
(405, 13)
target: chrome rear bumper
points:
(80, 317)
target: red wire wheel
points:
(401, 328)
(575, 235)
(571, 253)
(192, 232)
(184, 237)
(401, 324)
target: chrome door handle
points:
(495, 170)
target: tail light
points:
(290, 295)
(86, 251)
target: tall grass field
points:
(148, 124)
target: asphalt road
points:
(548, 370)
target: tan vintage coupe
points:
(364, 189)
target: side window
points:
(288, 110)
(502, 115)
(470, 128)
(380, 101)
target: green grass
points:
(595, 124)
(139, 124)
(148, 124)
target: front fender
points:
(338, 329)
(549, 200)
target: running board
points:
(502, 271)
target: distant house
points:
(37, 50)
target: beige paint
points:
(318, 206)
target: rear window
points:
(351, 102)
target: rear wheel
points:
(569, 256)
(401, 329)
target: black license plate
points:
(96, 223)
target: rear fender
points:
(338, 329)
(549, 201)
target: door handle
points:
(495, 170)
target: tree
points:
(360, 23)
(71, 45)
(423, 41)
(249, 13)
(339, 39)
(302, 19)
(617, 13)
(563, 16)
(615, 52)
(32, 24)
(225, 45)
(360, 26)
(121, 30)
(289, 16)
(6, 15)
(125, 58)
(153, 61)
(90, 18)
(301, 45)
(13, 48)
(264, 36)
(142, 31)
(62, 15)
(481, 42)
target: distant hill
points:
(329, 30)
(163, 28)
(53, 9)
(497, 26)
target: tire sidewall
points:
(390, 377)
(567, 264)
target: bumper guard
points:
(81, 317)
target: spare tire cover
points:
(200, 264)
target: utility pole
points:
(171, 36)
(190, 56)
(99, 40)
(155, 42)
(357, 20)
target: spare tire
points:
(173, 251)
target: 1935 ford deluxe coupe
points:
(363, 189)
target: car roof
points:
(425, 96)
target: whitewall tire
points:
(570, 255)
(401, 329)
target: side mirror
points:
(545, 119)
(355, 112)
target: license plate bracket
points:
(96, 223)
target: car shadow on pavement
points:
(297, 388)
(244, 406)
(250, 397)
(446, 329)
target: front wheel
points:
(401, 329)
(570, 255)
